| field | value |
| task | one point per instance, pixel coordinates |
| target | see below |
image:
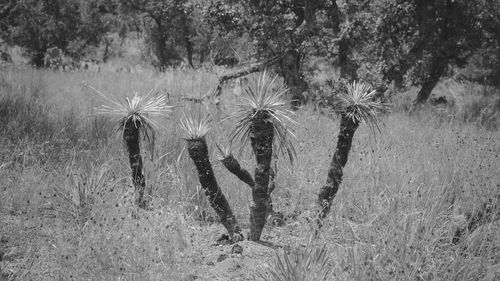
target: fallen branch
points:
(242, 71)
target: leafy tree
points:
(38, 25)
(96, 19)
(420, 39)
(168, 24)
(282, 31)
(384, 41)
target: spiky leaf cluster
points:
(142, 111)
(265, 100)
(224, 152)
(304, 264)
(194, 127)
(360, 104)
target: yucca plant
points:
(196, 130)
(355, 105)
(263, 121)
(135, 118)
(307, 263)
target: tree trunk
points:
(189, 50)
(348, 68)
(291, 72)
(262, 145)
(327, 192)
(438, 67)
(131, 139)
(161, 52)
(159, 38)
(397, 72)
(198, 151)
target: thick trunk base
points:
(198, 151)
(258, 216)
(258, 213)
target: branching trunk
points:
(198, 151)
(234, 167)
(262, 145)
(131, 139)
(347, 129)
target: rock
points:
(237, 249)
(221, 257)
(237, 237)
(439, 100)
(224, 240)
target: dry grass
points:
(67, 211)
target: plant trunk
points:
(198, 151)
(131, 139)
(290, 70)
(327, 192)
(235, 168)
(438, 67)
(262, 145)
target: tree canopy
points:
(404, 42)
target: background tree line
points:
(384, 42)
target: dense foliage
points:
(405, 42)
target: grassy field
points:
(66, 200)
